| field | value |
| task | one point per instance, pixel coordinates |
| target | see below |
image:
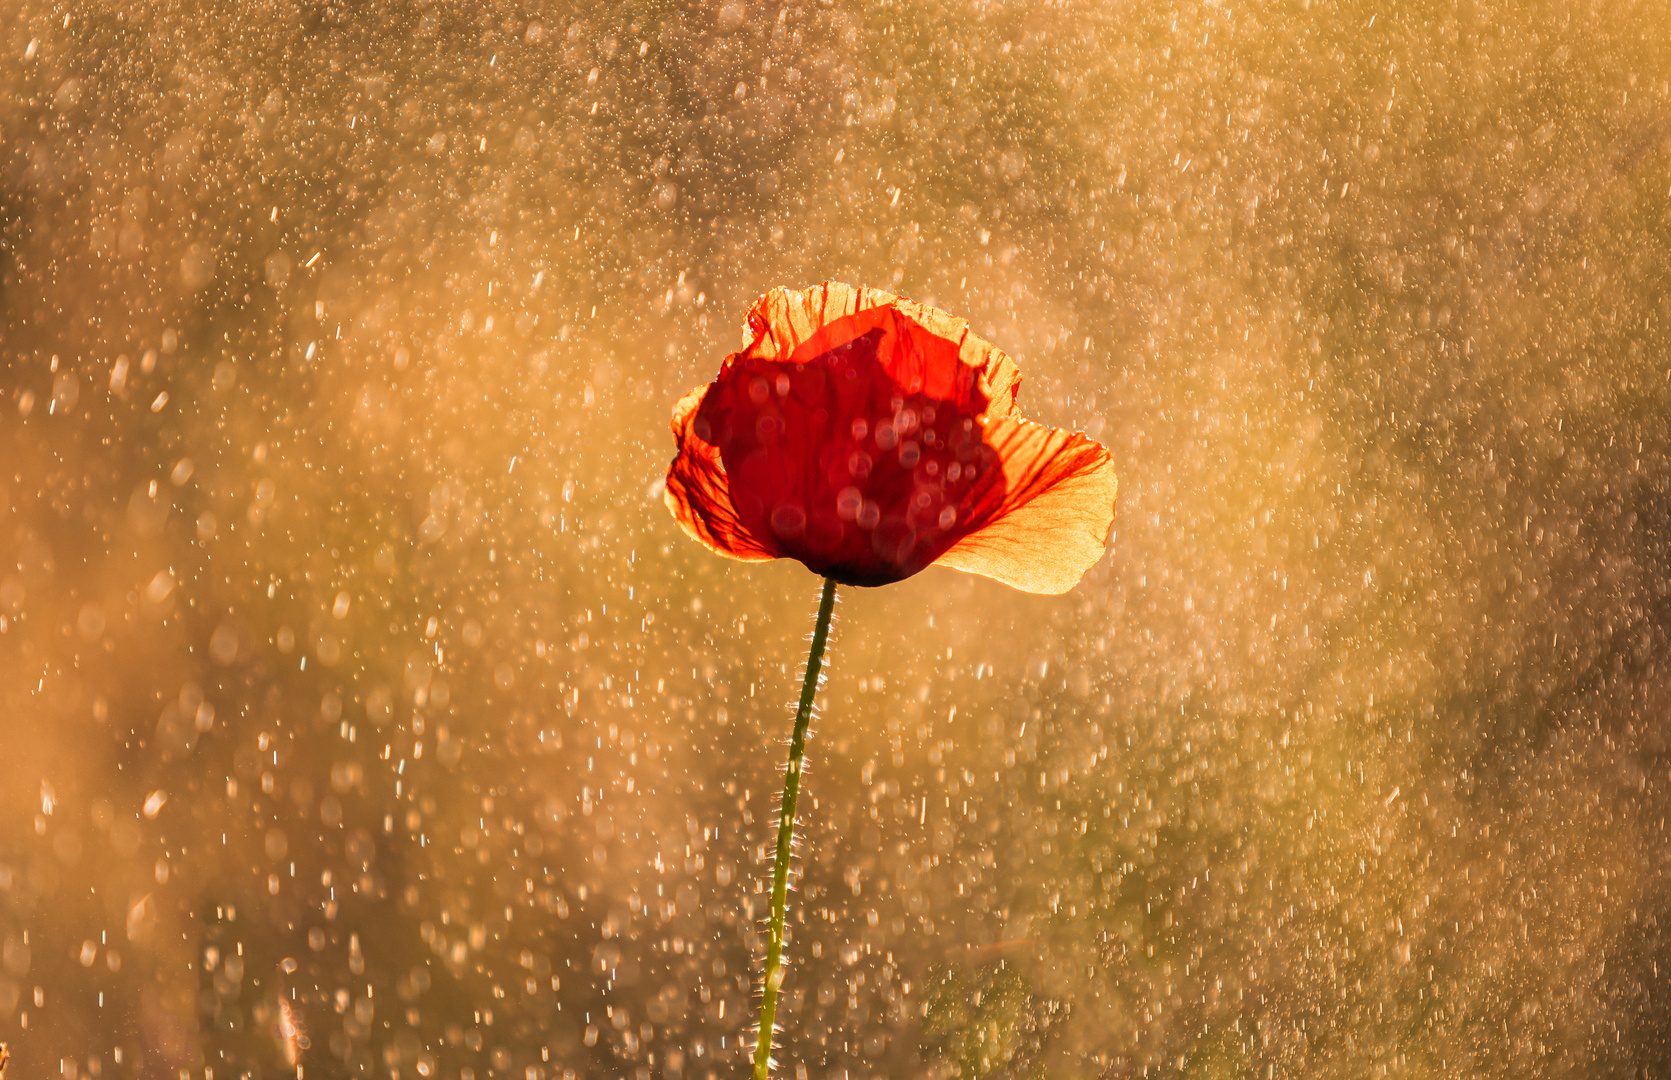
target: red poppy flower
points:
(869, 437)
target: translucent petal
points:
(699, 494)
(1057, 511)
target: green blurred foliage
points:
(992, 1028)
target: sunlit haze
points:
(364, 713)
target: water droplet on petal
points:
(789, 520)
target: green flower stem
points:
(786, 836)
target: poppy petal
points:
(1056, 514)
(780, 322)
(699, 494)
(921, 347)
(834, 462)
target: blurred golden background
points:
(365, 714)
